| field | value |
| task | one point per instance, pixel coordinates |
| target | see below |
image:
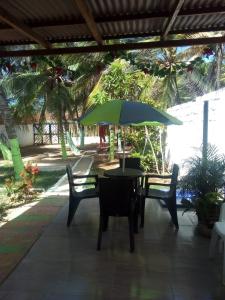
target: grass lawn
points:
(45, 179)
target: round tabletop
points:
(128, 172)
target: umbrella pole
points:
(124, 141)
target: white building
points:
(185, 140)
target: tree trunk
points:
(6, 153)
(11, 132)
(152, 148)
(162, 151)
(111, 143)
(219, 60)
(119, 144)
(62, 139)
(177, 91)
(81, 136)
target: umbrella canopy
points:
(122, 112)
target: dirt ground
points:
(48, 157)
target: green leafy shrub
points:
(3, 208)
(204, 183)
(136, 138)
(22, 190)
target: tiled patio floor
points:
(18, 235)
(64, 263)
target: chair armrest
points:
(158, 183)
(94, 182)
(85, 176)
(141, 179)
(158, 176)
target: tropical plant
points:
(121, 80)
(9, 123)
(43, 88)
(182, 73)
(87, 71)
(22, 190)
(57, 84)
(3, 208)
(149, 153)
(204, 183)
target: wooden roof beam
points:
(172, 19)
(89, 19)
(121, 36)
(114, 47)
(22, 28)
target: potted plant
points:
(204, 185)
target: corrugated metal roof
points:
(57, 20)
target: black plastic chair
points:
(117, 199)
(169, 195)
(131, 162)
(135, 163)
(74, 196)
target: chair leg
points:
(213, 243)
(105, 223)
(135, 217)
(131, 233)
(101, 224)
(142, 211)
(223, 263)
(73, 204)
(172, 207)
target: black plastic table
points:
(131, 173)
(128, 172)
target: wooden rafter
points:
(89, 19)
(172, 18)
(114, 47)
(22, 28)
(119, 36)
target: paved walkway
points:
(64, 264)
(28, 223)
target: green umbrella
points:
(123, 112)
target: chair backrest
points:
(131, 162)
(79, 181)
(116, 196)
(222, 213)
(174, 175)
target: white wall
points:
(185, 140)
(87, 140)
(24, 134)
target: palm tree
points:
(60, 85)
(86, 70)
(7, 117)
(43, 89)
(204, 70)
